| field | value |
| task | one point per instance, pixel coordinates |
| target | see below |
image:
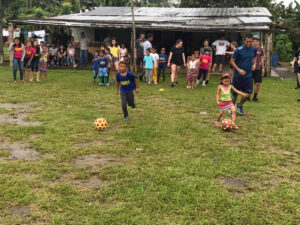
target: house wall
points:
(89, 32)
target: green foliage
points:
(284, 47)
(66, 8)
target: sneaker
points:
(133, 106)
(255, 99)
(107, 84)
(230, 112)
(172, 84)
(203, 83)
(101, 84)
(206, 82)
(126, 118)
(188, 87)
(240, 109)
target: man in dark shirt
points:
(243, 61)
(139, 53)
(260, 66)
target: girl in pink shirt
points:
(18, 51)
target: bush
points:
(66, 8)
(283, 47)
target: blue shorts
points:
(103, 72)
(30, 66)
(243, 85)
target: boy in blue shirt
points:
(148, 65)
(95, 65)
(103, 68)
(128, 83)
(163, 59)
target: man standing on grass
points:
(260, 66)
(83, 50)
(139, 53)
(220, 46)
(243, 61)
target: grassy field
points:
(168, 165)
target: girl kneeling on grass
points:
(224, 99)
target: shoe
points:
(255, 99)
(206, 82)
(172, 84)
(101, 84)
(126, 118)
(149, 83)
(141, 78)
(197, 82)
(155, 83)
(240, 109)
(133, 106)
(203, 83)
(188, 87)
(229, 112)
(107, 84)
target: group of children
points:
(198, 67)
(155, 65)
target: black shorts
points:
(257, 76)
(243, 85)
(139, 61)
(220, 59)
(35, 64)
(30, 66)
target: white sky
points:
(286, 2)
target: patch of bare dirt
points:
(236, 182)
(20, 210)
(89, 144)
(93, 182)
(20, 151)
(18, 114)
(95, 161)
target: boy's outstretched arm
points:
(118, 88)
(239, 92)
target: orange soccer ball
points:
(227, 124)
(100, 124)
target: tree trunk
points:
(268, 53)
(133, 35)
(11, 40)
(1, 34)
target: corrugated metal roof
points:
(166, 18)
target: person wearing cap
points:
(259, 66)
(243, 61)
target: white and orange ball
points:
(227, 124)
(100, 124)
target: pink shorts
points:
(225, 105)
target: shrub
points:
(283, 47)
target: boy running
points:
(128, 83)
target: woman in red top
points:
(18, 51)
(28, 64)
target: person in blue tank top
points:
(243, 61)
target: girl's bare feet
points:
(235, 127)
(218, 124)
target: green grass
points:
(174, 161)
(6, 53)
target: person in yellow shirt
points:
(114, 50)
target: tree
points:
(1, 34)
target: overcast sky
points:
(286, 2)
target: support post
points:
(1, 35)
(268, 53)
(11, 40)
(133, 35)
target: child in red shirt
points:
(205, 63)
(29, 54)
